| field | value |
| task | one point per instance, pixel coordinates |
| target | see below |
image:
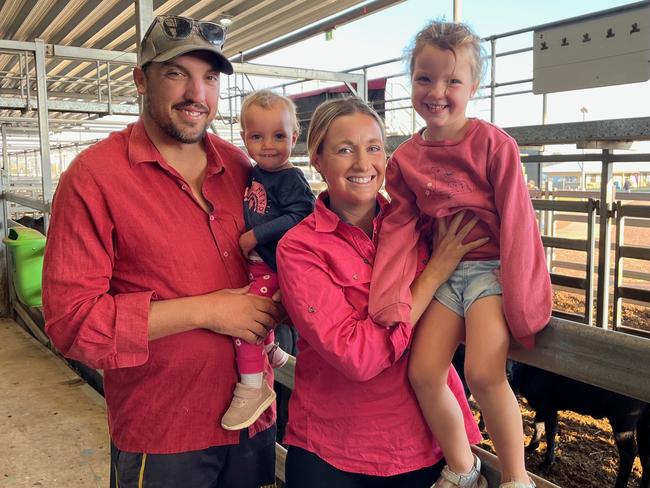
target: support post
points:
(143, 18)
(43, 126)
(604, 240)
(108, 88)
(27, 85)
(493, 75)
(98, 82)
(362, 89)
(5, 279)
(4, 179)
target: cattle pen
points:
(596, 234)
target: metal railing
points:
(621, 291)
(588, 245)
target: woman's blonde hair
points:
(327, 112)
(267, 99)
(450, 36)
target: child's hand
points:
(247, 242)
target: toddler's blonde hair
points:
(267, 99)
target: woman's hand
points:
(448, 247)
(448, 250)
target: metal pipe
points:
(143, 19)
(4, 183)
(604, 240)
(109, 90)
(5, 152)
(515, 51)
(493, 73)
(27, 82)
(99, 82)
(519, 92)
(20, 67)
(510, 83)
(44, 137)
(362, 90)
(579, 18)
(232, 133)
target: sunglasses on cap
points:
(176, 27)
(169, 36)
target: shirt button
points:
(311, 309)
(226, 253)
(355, 276)
(183, 187)
(211, 217)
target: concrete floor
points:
(53, 431)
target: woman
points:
(354, 421)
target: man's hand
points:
(247, 242)
(237, 313)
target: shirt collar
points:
(142, 150)
(326, 220)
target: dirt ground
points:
(586, 454)
(634, 316)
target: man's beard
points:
(174, 131)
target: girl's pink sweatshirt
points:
(481, 174)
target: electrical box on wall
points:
(609, 50)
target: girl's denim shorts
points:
(471, 280)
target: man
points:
(143, 277)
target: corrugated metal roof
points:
(110, 25)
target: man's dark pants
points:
(249, 464)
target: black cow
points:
(548, 392)
(32, 223)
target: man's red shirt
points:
(126, 230)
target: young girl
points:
(277, 199)
(458, 164)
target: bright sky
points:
(385, 34)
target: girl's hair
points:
(450, 36)
(267, 99)
(329, 111)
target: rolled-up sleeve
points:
(339, 331)
(527, 292)
(396, 262)
(84, 320)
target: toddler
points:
(458, 164)
(277, 199)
